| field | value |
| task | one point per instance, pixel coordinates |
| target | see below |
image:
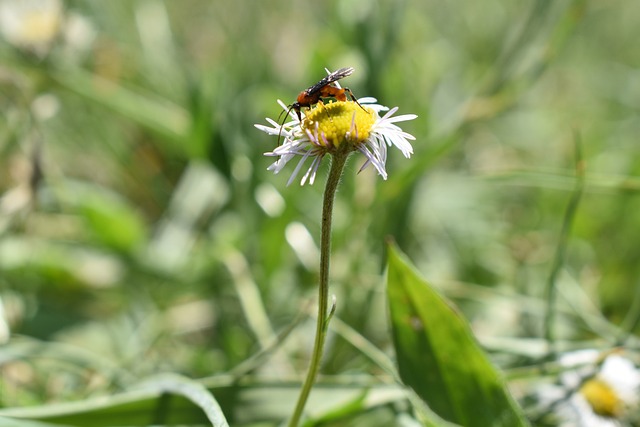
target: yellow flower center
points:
(602, 398)
(40, 27)
(340, 121)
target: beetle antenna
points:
(290, 107)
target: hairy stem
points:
(337, 165)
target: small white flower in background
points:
(598, 390)
(30, 24)
(79, 34)
(326, 127)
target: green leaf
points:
(181, 402)
(195, 392)
(112, 220)
(349, 407)
(439, 358)
(8, 422)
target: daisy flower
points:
(31, 24)
(594, 391)
(341, 125)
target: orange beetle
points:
(323, 89)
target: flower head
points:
(342, 125)
(31, 24)
(595, 391)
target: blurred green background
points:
(140, 231)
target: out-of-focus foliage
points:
(140, 231)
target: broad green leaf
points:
(439, 358)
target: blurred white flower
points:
(596, 391)
(30, 24)
(45, 106)
(79, 35)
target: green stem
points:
(337, 165)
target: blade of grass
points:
(558, 260)
(195, 392)
(157, 114)
(247, 401)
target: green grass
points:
(140, 232)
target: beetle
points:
(323, 89)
